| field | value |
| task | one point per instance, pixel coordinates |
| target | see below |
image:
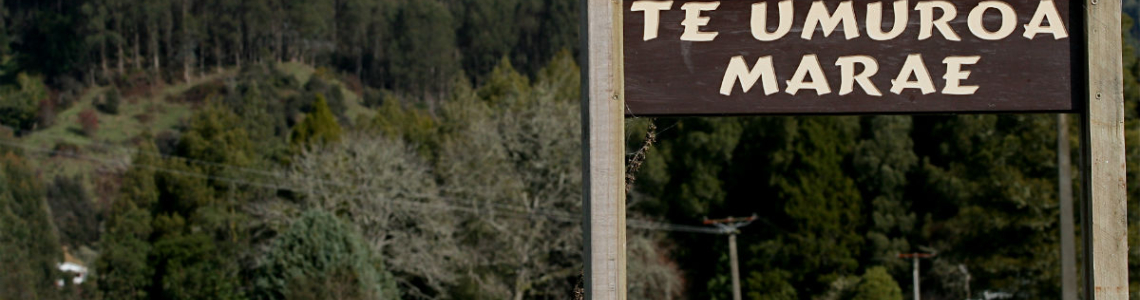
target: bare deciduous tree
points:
(522, 165)
(383, 187)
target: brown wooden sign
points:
(849, 57)
(839, 57)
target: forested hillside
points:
(430, 149)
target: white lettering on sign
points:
(928, 23)
(875, 21)
(694, 20)
(849, 78)
(1008, 20)
(811, 76)
(858, 70)
(809, 65)
(760, 21)
(913, 67)
(818, 15)
(1046, 12)
(955, 75)
(652, 11)
(738, 71)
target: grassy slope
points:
(354, 103)
(110, 146)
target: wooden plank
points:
(603, 122)
(669, 75)
(1106, 215)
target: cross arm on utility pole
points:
(731, 224)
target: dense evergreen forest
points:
(430, 149)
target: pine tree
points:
(490, 30)
(822, 205)
(424, 56)
(122, 266)
(877, 284)
(771, 285)
(882, 163)
(198, 238)
(319, 127)
(28, 241)
(991, 180)
(321, 257)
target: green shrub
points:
(877, 284)
(19, 104)
(109, 104)
(318, 127)
(89, 122)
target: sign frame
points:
(1100, 103)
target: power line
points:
(633, 223)
(250, 183)
(277, 175)
(511, 211)
(650, 225)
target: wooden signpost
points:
(800, 57)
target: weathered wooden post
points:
(767, 57)
(603, 149)
(1105, 219)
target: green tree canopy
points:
(19, 104)
(424, 56)
(319, 126)
(122, 266)
(321, 257)
(877, 284)
(28, 243)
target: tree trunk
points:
(154, 51)
(240, 48)
(135, 48)
(187, 52)
(186, 69)
(168, 41)
(218, 56)
(520, 285)
(119, 43)
(122, 57)
(103, 57)
(168, 36)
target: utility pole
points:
(915, 257)
(731, 226)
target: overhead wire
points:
(278, 175)
(507, 210)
